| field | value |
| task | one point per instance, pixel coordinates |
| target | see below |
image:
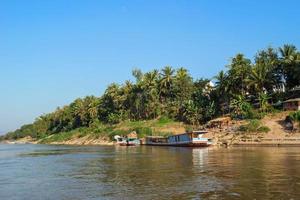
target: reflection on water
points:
(74, 172)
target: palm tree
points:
(222, 82)
(222, 90)
(150, 87)
(183, 85)
(150, 79)
(80, 112)
(166, 81)
(288, 53)
(258, 78)
(93, 107)
(290, 64)
(239, 70)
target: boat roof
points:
(292, 100)
(159, 137)
(198, 132)
(155, 136)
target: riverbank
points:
(229, 135)
(100, 134)
(275, 134)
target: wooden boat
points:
(192, 139)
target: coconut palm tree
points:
(258, 78)
(183, 85)
(166, 81)
(290, 65)
(239, 69)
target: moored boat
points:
(126, 141)
(191, 139)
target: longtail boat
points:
(191, 139)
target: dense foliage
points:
(173, 93)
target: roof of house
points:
(292, 100)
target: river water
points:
(94, 172)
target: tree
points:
(222, 96)
(239, 69)
(240, 107)
(263, 102)
(150, 87)
(266, 75)
(290, 59)
(166, 82)
(183, 84)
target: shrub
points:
(164, 120)
(143, 131)
(114, 118)
(241, 109)
(188, 129)
(295, 116)
(254, 126)
(263, 129)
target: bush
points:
(143, 131)
(114, 118)
(189, 129)
(242, 110)
(164, 120)
(263, 129)
(254, 126)
(295, 116)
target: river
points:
(95, 172)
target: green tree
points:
(290, 65)
(239, 69)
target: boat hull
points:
(128, 144)
(191, 144)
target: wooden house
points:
(292, 104)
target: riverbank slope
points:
(232, 134)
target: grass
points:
(61, 137)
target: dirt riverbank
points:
(228, 135)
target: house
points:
(292, 104)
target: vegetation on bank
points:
(295, 116)
(254, 126)
(101, 131)
(245, 90)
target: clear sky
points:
(53, 51)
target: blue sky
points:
(54, 51)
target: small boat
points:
(191, 139)
(125, 141)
